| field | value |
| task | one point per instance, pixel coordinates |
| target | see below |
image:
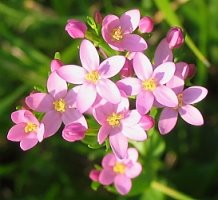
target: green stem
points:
(169, 191)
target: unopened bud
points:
(175, 37)
(146, 25)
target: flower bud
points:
(127, 69)
(76, 28)
(146, 122)
(98, 17)
(192, 70)
(175, 37)
(55, 64)
(94, 175)
(146, 25)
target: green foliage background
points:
(30, 34)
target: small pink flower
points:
(58, 105)
(94, 175)
(146, 25)
(93, 76)
(175, 37)
(76, 28)
(28, 130)
(120, 172)
(117, 32)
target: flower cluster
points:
(116, 85)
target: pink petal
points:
(133, 43)
(167, 120)
(103, 133)
(176, 83)
(108, 19)
(122, 184)
(132, 118)
(132, 154)
(40, 102)
(40, 132)
(119, 145)
(16, 133)
(165, 96)
(28, 143)
(142, 66)
(130, 20)
(163, 53)
(164, 72)
(123, 106)
(20, 116)
(106, 177)
(52, 122)
(108, 161)
(191, 115)
(89, 56)
(108, 90)
(134, 132)
(86, 97)
(57, 87)
(134, 170)
(144, 102)
(131, 86)
(194, 94)
(111, 66)
(70, 98)
(72, 73)
(182, 70)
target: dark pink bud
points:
(55, 64)
(98, 17)
(76, 28)
(94, 175)
(192, 70)
(74, 132)
(127, 69)
(146, 122)
(175, 37)
(146, 25)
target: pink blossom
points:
(189, 113)
(76, 28)
(175, 37)
(58, 105)
(120, 172)
(146, 25)
(27, 129)
(149, 86)
(117, 32)
(118, 123)
(93, 76)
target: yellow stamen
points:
(149, 84)
(92, 76)
(180, 100)
(117, 34)
(114, 119)
(119, 168)
(59, 105)
(30, 127)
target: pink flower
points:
(93, 77)
(117, 32)
(58, 105)
(76, 28)
(120, 172)
(28, 130)
(189, 113)
(175, 37)
(118, 123)
(146, 25)
(149, 85)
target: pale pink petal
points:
(72, 73)
(132, 154)
(167, 120)
(89, 56)
(134, 170)
(119, 145)
(52, 122)
(108, 19)
(108, 161)
(111, 66)
(70, 98)
(20, 116)
(28, 143)
(182, 70)
(122, 184)
(123, 106)
(40, 132)
(135, 132)
(106, 177)
(57, 87)
(40, 102)
(108, 90)
(103, 133)
(16, 133)
(163, 53)
(194, 94)
(144, 102)
(165, 96)
(164, 72)
(130, 86)
(130, 20)
(86, 97)
(132, 118)
(142, 66)
(191, 115)
(176, 83)
(133, 43)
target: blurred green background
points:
(30, 34)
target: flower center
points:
(180, 100)
(59, 105)
(114, 119)
(30, 127)
(117, 34)
(149, 84)
(119, 168)
(92, 76)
